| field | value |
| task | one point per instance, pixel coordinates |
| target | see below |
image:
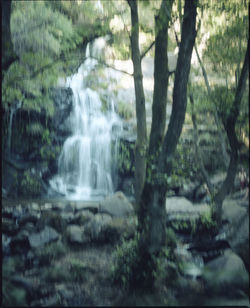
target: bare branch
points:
(111, 66)
(147, 50)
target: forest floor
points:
(81, 275)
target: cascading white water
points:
(86, 162)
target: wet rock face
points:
(32, 157)
(63, 102)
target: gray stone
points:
(64, 291)
(29, 226)
(9, 227)
(47, 206)
(46, 236)
(182, 205)
(67, 217)
(58, 206)
(28, 218)
(5, 244)
(83, 217)
(35, 207)
(116, 205)
(237, 233)
(226, 273)
(75, 234)
(232, 212)
(83, 206)
(95, 227)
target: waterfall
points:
(13, 109)
(88, 156)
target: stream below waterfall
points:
(87, 162)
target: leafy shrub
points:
(205, 225)
(126, 259)
(35, 129)
(77, 270)
(51, 252)
(125, 110)
(12, 295)
(57, 274)
(125, 158)
(31, 184)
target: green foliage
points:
(56, 274)
(223, 98)
(51, 252)
(78, 270)
(184, 165)
(12, 295)
(171, 239)
(35, 129)
(125, 110)
(126, 260)
(30, 184)
(46, 137)
(166, 270)
(125, 158)
(204, 226)
(49, 152)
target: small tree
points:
(152, 212)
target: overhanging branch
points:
(147, 50)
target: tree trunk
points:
(161, 76)
(229, 125)
(141, 141)
(152, 212)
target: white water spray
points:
(86, 161)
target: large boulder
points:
(44, 237)
(226, 273)
(237, 218)
(182, 205)
(116, 205)
(76, 235)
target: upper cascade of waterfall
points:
(87, 162)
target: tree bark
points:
(161, 77)
(229, 124)
(141, 141)
(152, 214)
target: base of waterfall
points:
(61, 253)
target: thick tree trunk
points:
(8, 54)
(229, 125)
(161, 76)
(141, 141)
(152, 214)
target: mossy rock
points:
(120, 227)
